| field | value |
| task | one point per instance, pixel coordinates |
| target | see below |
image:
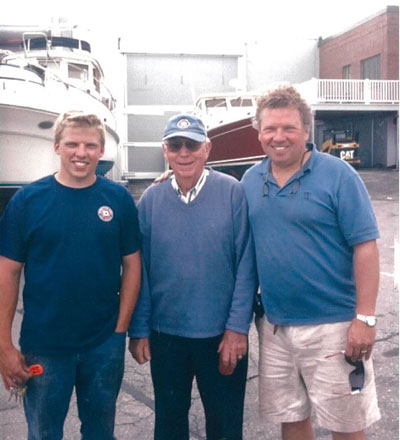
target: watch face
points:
(371, 321)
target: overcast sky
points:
(186, 25)
(204, 20)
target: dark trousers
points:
(175, 361)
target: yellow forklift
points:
(342, 144)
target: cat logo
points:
(105, 213)
(347, 155)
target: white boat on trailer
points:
(48, 76)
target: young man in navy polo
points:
(76, 236)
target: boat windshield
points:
(241, 102)
(216, 102)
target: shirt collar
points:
(265, 163)
(193, 192)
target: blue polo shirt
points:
(304, 234)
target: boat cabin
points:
(215, 110)
(63, 59)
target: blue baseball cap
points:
(187, 126)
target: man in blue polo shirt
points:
(317, 258)
(76, 236)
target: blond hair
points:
(78, 119)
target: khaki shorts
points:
(295, 376)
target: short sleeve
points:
(130, 230)
(355, 213)
(12, 243)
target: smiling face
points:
(283, 136)
(187, 164)
(80, 149)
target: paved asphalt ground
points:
(135, 412)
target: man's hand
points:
(231, 350)
(13, 368)
(140, 349)
(360, 340)
(163, 176)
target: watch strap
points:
(367, 319)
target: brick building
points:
(358, 87)
(369, 50)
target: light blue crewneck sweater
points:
(199, 268)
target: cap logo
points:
(183, 123)
(105, 213)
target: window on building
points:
(371, 68)
(346, 73)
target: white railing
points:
(351, 91)
(339, 91)
(384, 91)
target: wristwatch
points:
(369, 320)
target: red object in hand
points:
(36, 370)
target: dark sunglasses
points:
(356, 377)
(175, 145)
(293, 190)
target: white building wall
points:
(159, 85)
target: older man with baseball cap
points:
(195, 305)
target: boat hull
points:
(27, 150)
(235, 147)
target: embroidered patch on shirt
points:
(105, 213)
